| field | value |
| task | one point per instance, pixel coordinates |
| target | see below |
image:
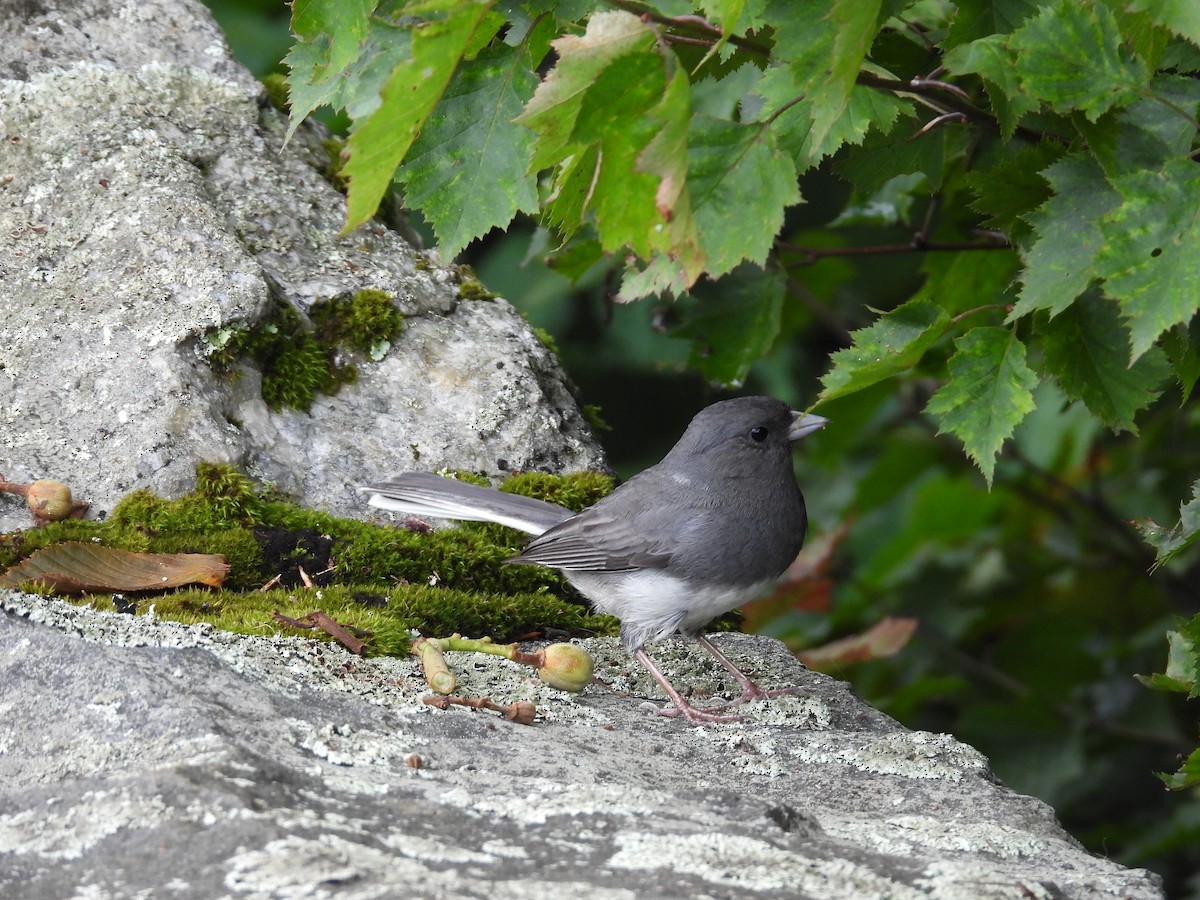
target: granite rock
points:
(145, 200)
(148, 758)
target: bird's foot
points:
(753, 692)
(694, 715)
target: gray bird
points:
(708, 528)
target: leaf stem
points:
(695, 25)
(813, 254)
(1175, 108)
(979, 309)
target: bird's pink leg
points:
(681, 707)
(750, 690)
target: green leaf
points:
(793, 121)
(1012, 186)
(661, 277)
(1188, 775)
(975, 19)
(1182, 17)
(666, 158)
(855, 24)
(894, 343)
(734, 323)
(721, 97)
(1086, 349)
(1152, 131)
(1182, 346)
(969, 279)
(573, 184)
(1170, 542)
(890, 205)
(733, 17)
(612, 88)
(1071, 56)
(901, 151)
(328, 34)
(990, 391)
(344, 69)
(555, 107)
(1059, 266)
(1183, 665)
(1151, 256)
(621, 120)
(380, 141)
(995, 62)
(737, 175)
(466, 170)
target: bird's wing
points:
(424, 494)
(575, 549)
(617, 534)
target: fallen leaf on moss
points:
(74, 567)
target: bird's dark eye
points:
(758, 434)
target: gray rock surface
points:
(143, 200)
(141, 758)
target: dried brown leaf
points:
(75, 567)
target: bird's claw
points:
(694, 715)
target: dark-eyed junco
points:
(712, 525)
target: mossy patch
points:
(470, 287)
(278, 93)
(334, 162)
(385, 579)
(299, 358)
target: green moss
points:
(595, 420)
(298, 358)
(470, 287)
(334, 163)
(368, 322)
(385, 579)
(546, 339)
(574, 491)
(223, 497)
(277, 90)
(296, 373)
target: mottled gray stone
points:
(147, 758)
(144, 198)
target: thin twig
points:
(522, 712)
(695, 24)
(978, 309)
(813, 254)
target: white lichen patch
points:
(909, 754)
(67, 832)
(746, 864)
(285, 664)
(542, 800)
(908, 835)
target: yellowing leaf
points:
(887, 637)
(380, 141)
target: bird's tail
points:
(423, 494)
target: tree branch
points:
(916, 245)
(695, 25)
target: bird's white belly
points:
(653, 605)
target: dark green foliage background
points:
(1036, 599)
